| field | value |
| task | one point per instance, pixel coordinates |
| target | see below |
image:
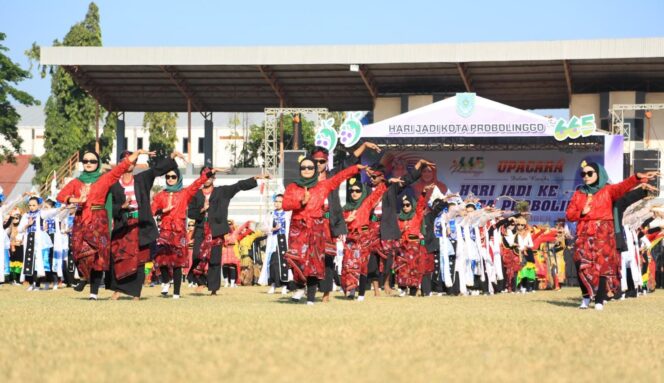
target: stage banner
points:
(464, 115)
(545, 178)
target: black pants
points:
(456, 287)
(177, 278)
(214, 269)
(426, 284)
(437, 283)
(601, 291)
(631, 287)
(364, 281)
(96, 277)
(275, 275)
(374, 266)
(230, 272)
(325, 285)
(312, 286)
(584, 292)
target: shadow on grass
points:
(343, 298)
(569, 302)
(289, 301)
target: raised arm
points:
(334, 182)
(191, 190)
(162, 167)
(363, 213)
(618, 190)
(419, 210)
(49, 213)
(229, 191)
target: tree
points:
(11, 73)
(70, 111)
(107, 136)
(163, 132)
(254, 146)
(231, 146)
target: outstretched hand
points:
(648, 175)
(372, 146)
(396, 180)
(179, 155)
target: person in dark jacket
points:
(333, 211)
(380, 263)
(433, 282)
(134, 228)
(209, 208)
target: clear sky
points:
(249, 22)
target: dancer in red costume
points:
(172, 251)
(591, 206)
(408, 263)
(308, 229)
(90, 244)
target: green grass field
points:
(246, 335)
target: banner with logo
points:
(464, 115)
(545, 178)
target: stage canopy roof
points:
(470, 122)
(527, 75)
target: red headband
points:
(319, 154)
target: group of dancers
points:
(438, 243)
(383, 238)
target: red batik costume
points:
(230, 253)
(90, 240)
(308, 229)
(595, 241)
(172, 244)
(363, 237)
(408, 262)
(510, 257)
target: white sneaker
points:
(191, 284)
(599, 306)
(523, 290)
(55, 287)
(402, 293)
(271, 290)
(93, 297)
(284, 290)
(298, 294)
(309, 303)
(360, 298)
(584, 303)
(233, 285)
(226, 282)
(164, 288)
(440, 294)
(176, 296)
(32, 288)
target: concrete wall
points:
(419, 101)
(585, 104)
(656, 122)
(387, 107)
(222, 155)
